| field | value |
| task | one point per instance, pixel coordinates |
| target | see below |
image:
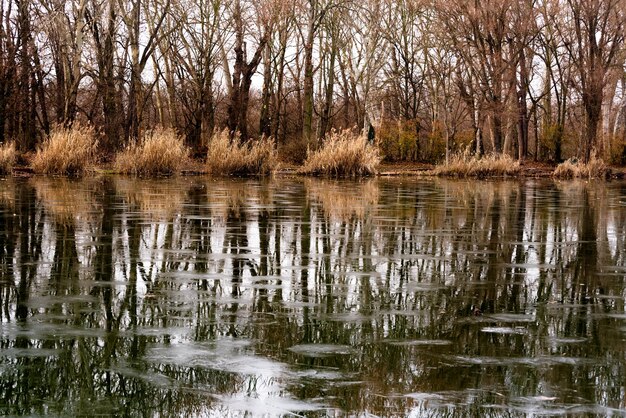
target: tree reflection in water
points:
(195, 296)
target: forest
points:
(534, 79)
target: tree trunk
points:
(132, 123)
(496, 132)
(522, 108)
(25, 105)
(593, 114)
(207, 108)
(106, 76)
(278, 93)
(265, 122)
(329, 88)
(242, 77)
(307, 123)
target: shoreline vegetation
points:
(195, 167)
(343, 154)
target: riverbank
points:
(529, 169)
(344, 154)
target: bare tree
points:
(481, 35)
(9, 44)
(243, 70)
(363, 58)
(316, 11)
(593, 33)
(25, 102)
(502, 67)
(102, 21)
(65, 29)
(139, 57)
(189, 62)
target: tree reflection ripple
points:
(396, 297)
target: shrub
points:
(67, 151)
(7, 157)
(464, 165)
(229, 157)
(398, 140)
(343, 154)
(435, 147)
(550, 135)
(572, 168)
(159, 152)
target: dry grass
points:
(464, 165)
(8, 156)
(67, 151)
(572, 168)
(160, 152)
(228, 157)
(343, 154)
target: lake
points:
(306, 297)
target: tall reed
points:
(8, 156)
(231, 157)
(67, 151)
(573, 168)
(464, 165)
(343, 154)
(159, 152)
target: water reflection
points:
(339, 205)
(194, 296)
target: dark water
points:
(197, 297)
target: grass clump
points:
(572, 168)
(8, 156)
(229, 157)
(159, 152)
(343, 154)
(492, 165)
(67, 151)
